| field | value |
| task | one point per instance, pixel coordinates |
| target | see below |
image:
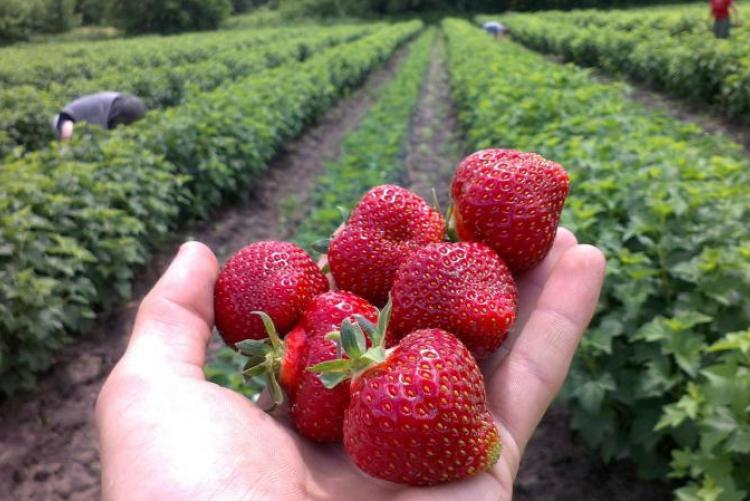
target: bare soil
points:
(48, 444)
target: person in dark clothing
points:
(105, 109)
(495, 28)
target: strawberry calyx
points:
(351, 341)
(264, 357)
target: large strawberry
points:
(278, 278)
(464, 288)
(389, 223)
(317, 412)
(511, 201)
(419, 416)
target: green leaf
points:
(383, 320)
(369, 328)
(273, 336)
(254, 347)
(352, 339)
(332, 379)
(340, 365)
(321, 246)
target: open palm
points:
(167, 433)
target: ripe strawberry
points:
(388, 224)
(278, 278)
(464, 288)
(317, 412)
(419, 416)
(511, 201)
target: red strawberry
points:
(464, 288)
(317, 412)
(278, 278)
(388, 224)
(420, 417)
(511, 201)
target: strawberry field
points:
(275, 133)
(669, 48)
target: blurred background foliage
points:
(24, 20)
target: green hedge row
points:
(668, 204)
(40, 65)
(26, 111)
(671, 51)
(372, 154)
(76, 219)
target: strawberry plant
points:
(27, 111)
(77, 218)
(667, 204)
(668, 48)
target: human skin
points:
(166, 433)
(66, 131)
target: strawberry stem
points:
(264, 358)
(276, 343)
(351, 338)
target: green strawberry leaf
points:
(253, 347)
(353, 339)
(383, 320)
(339, 365)
(332, 379)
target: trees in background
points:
(19, 19)
(168, 16)
(370, 7)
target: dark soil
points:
(48, 444)
(557, 466)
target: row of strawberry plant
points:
(372, 154)
(667, 203)
(77, 218)
(25, 112)
(688, 63)
(43, 64)
(675, 19)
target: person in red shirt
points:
(720, 12)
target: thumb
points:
(175, 319)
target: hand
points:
(66, 131)
(167, 433)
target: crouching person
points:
(105, 109)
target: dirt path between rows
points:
(556, 466)
(434, 147)
(702, 115)
(48, 447)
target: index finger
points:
(527, 381)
